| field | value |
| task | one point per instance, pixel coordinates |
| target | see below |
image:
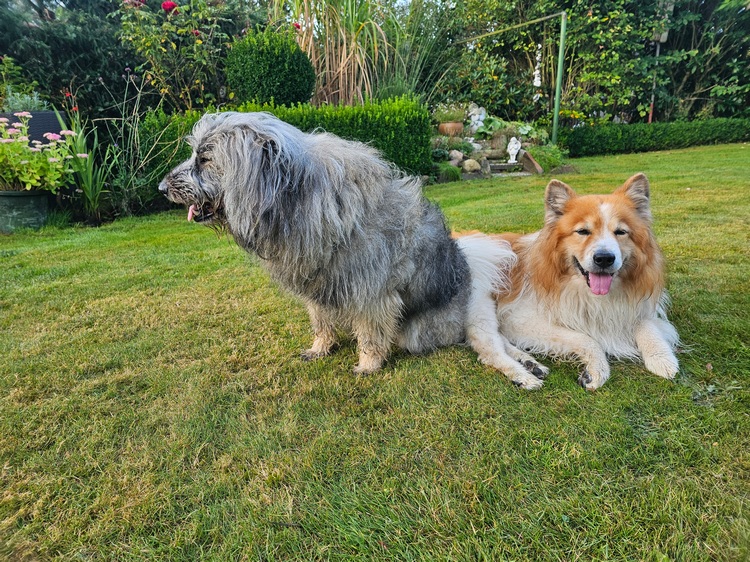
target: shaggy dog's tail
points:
(490, 261)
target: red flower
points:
(74, 108)
(196, 32)
(297, 26)
(169, 7)
(68, 95)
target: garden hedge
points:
(643, 137)
(269, 66)
(400, 128)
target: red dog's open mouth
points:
(599, 283)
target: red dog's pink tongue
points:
(600, 283)
(191, 212)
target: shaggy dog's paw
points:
(536, 369)
(312, 355)
(368, 363)
(661, 365)
(361, 371)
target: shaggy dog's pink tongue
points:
(600, 283)
(191, 212)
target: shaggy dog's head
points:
(600, 238)
(236, 162)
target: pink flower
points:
(22, 114)
(13, 131)
(83, 155)
(68, 133)
(23, 139)
(16, 125)
(52, 160)
(3, 119)
(6, 141)
(169, 6)
(52, 136)
(35, 149)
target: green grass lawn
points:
(153, 404)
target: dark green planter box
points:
(22, 209)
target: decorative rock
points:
(564, 169)
(470, 166)
(484, 165)
(514, 145)
(455, 155)
(499, 141)
(456, 163)
(529, 164)
(491, 154)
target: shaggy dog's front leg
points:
(324, 330)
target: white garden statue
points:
(514, 145)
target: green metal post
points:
(558, 85)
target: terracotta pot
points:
(452, 129)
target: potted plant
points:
(29, 172)
(450, 119)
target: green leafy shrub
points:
(439, 155)
(644, 137)
(452, 143)
(399, 128)
(269, 66)
(548, 156)
(446, 172)
(182, 47)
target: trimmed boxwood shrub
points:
(400, 128)
(269, 66)
(644, 137)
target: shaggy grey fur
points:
(334, 224)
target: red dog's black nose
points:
(604, 259)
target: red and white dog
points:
(590, 284)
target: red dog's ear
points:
(638, 190)
(556, 197)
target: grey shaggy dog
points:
(346, 232)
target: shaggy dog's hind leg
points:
(325, 333)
